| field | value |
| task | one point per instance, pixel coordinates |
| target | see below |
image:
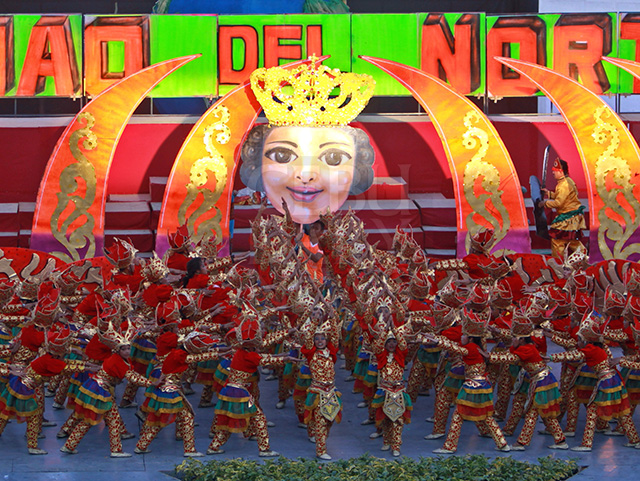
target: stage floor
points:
(609, 459)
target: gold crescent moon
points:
(69, 215)
(610, 158)
(486, 185)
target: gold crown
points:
(304, 95)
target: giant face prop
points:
(307, 156)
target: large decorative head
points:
(307, 155)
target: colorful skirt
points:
(93, 401)
(313, 402)
(584, 384)
(360, 372)
(75, 383)
(611, 398)
(303, 381)
(546, 396)
(429, 357)
(362, 363)
(17, 401)
(207, 372)
(221, 375)
(289, 375)
(234, 409)
(475, 400)
(162, 407)
(143, 351)
(454, 380)
(154, 372)
(632, 383)
(370, 381)
(378, 401)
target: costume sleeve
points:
(377, 344)
(559, 197)
(566, 342)
(420, 321)
(218, 264)
(275, 337)
(268, 359)
(74, 366)
(573, 355)
(502, 334)
(402, 341)
(137, 379)
(453, 347)
(211, 355)
(616, 335)
(629, 364)
(503, 357)
(333, 336)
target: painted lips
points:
(304, 195)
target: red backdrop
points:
(411, 150)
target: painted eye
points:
(281, 155)
(334, 157)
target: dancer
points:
(474, 401)
(323, 405)
(96, 402)
(236, 410)
(610, 399)
(543, 395)
(166, 403)
(391, 403)
(23, 399)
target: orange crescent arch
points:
(233, 114)
(610, 158)
(629, 65)
(69, 214)
(486, 186)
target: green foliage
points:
(369, 468)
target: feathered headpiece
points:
(613, 302)
(521, 326)
(154, 269)
(249, 328)
(478, 296)
(591, 327)
(168, 313)
(475, 324)
(180, 237)
(632, 281)
(57, 342)
(420, 285)
(114, 339)
(577, 260)
(501, 294)
(7, 289)
(482, 241)
(48, 304)
(197, 342)
(120, 253)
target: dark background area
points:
(356, 6)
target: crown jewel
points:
(304, 95)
